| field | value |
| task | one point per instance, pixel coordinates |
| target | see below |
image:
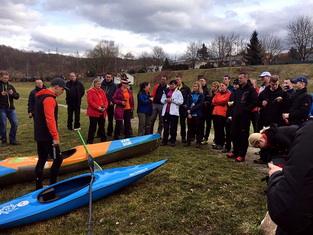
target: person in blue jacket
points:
(144, 109)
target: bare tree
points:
(103, 57)
(300, 36)
(272, 46)
(191, 53)
(145, 59)
(158, 55)
(224, 47)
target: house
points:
(116, 77)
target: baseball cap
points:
(265, 74)
(123, 81)
(300, 79)
(60, 82)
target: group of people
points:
(279, 115)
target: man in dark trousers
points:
(31, 107)
(156, 94)
(73, 100)
(301, 104)
(109, 88)
(245, 100)
(185, 90)
(46, 130)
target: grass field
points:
(198, 191)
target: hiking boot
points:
(225, 150)
(15, 143)
(259, 161)
(231, 155)
(4, 144)
(219, 147)
(240, 159)
(204, 142)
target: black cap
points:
(60, 82)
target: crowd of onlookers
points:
(231, 104)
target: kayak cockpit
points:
(63, 189)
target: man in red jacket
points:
(46, 130)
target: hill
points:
(216, 74)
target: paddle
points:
(92, 165)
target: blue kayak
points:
(69, 194)
(21, 169)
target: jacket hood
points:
(44, 92)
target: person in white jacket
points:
(171, 99)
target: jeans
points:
(11, 115)
(157, 111)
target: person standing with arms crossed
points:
(73, 100)
(46, 130)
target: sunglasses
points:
(4, 73)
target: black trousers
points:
(228, 134)
(219, 129)
(73, 108)
(182, 121)
(240, 129)
(170, 128)
(195, 129)
(110, 115)
(127, 125)
(93, 121)
(208, 124)
(45, 150)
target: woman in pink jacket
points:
(96, 110)
(124, 101)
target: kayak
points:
(69, 194)
(21, 169)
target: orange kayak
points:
(20, 169)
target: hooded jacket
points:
(76, 92)
(109, 88)
(46, 120)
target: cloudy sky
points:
(138, 25)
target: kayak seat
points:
(48, 195)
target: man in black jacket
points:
(7, 110)
(31, 107)
(109, 88)
(290, 190)
(245, 100)
(185, 90)
(301, 104)
(73, 101)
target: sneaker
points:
(240, 159)
(172, 144)
(231, 155)
(204, 142)
(225, 150)
(15, 143)
(197, 145)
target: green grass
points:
(196, 192)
